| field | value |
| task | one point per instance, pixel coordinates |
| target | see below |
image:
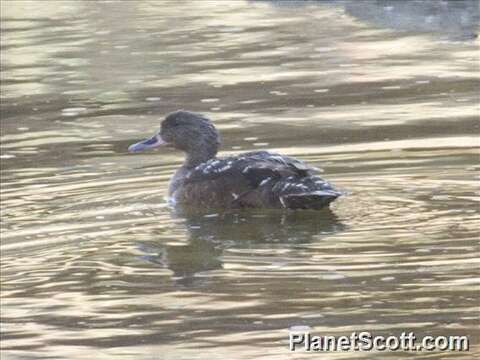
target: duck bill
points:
(153, 142)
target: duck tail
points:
(313, 200)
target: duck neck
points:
(195, 158)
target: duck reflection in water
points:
(211, 234)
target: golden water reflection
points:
(95, 262)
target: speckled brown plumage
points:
(258, 179)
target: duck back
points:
(258, 179)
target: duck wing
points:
(253, 167)
(258, 179)
(308, 192)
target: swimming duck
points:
(259, 179)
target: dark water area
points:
(382, 95)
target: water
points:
(94, 262)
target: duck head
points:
(186, 131)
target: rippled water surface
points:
(384, 97)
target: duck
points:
(256, 179)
